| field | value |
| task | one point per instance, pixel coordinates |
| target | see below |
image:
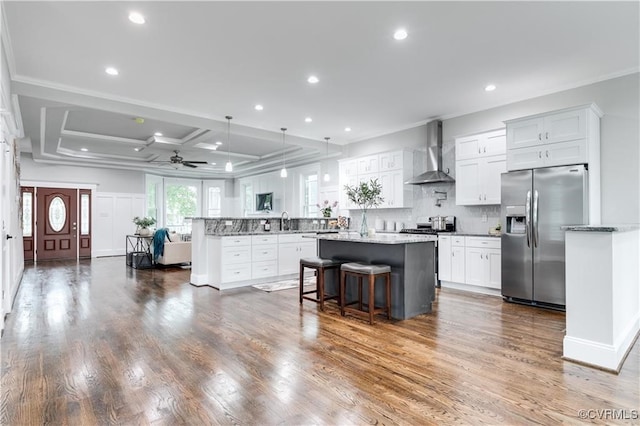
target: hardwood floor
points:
(95, 342)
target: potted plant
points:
(326, 208)
(143, 225)
(365, 195)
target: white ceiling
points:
(192, 63)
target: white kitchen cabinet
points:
(483, 262)
(368, 164)
(557, 154)
(391, 169)
(394, 192)
(565, 137)
(458, 265)
(291, 248)
(481, 145)
(444, 258)
(392, 160)
(478, 180)
(480, 160)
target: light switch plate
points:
(484, 217)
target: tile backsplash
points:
(469, 218)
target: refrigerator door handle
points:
(536, 236)
(527, 218)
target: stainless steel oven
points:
(427, 228)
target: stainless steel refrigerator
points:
(535, 205)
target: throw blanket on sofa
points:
(158, 242)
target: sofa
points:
(175, 251)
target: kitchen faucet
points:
(282, 221)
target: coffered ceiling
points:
(192, 63)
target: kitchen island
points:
(411, 258)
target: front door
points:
(57, 224)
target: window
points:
(214, 202)
(181, 201)
(27, 214)
(310, 195)
(84, 214)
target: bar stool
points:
(320, 266)
(361, 270)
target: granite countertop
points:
(378, 238)
(296, 231)
(469, 234)
(602, 228)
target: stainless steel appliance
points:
(428, 228)
(535, 205)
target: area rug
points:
(284, 284)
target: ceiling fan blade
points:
(195, 162)
(187, 164)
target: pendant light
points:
(283, 172)
(327, 178)
(228, 167)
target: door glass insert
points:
(84, 214)
(27, 211)
(57, 214)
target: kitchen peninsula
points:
(236, 252)
(411, 258)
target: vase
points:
(146, 232)
(326, 214)
(364, 229)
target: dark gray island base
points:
(412, 269)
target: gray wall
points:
(108, 180)
(618, 98)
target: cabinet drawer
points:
(294, 238)
(264, 269)
(244, 240)
(232, 273)
(483, 242)
(264, 239)
(264, 252)
(457, 241)
(236, 255)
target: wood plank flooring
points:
(95, 342)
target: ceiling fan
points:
(178, 160)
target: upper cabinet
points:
(480, 160)
(391, 169)
(565, 137)
(482, 145)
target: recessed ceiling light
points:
(400, 34)
(490, 88)
(258, 107)
(136, 18)
(347, 129)
(111, 71)
(313, 79)
(308, 120)
(137, 149)
(218, 143)
(84, 149)
(157, 134)
(213, 164)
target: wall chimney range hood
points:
(434, 173)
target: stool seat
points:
(319, 262)
(364, 268)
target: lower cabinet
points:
(245, 258)
(470, 260)
(292, 248)
(482, 262)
